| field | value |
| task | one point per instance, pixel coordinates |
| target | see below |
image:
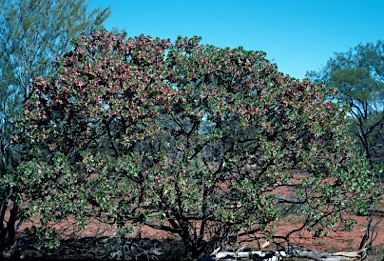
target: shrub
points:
(186, 138)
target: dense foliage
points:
(32, 33)
(202, 142)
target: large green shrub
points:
(186, 138)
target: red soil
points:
(335, 241)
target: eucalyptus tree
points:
(359, 77)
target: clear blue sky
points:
(298, 35)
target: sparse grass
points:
(99, 248)
(102, 248)
(376, 253)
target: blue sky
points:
(298, 35)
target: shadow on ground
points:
(101, 249)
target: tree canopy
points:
(32, 34)
(359, 77)
(206, 143)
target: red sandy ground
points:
(340, 241)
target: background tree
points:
(359, 77)
(32, 34)
(193, 140)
